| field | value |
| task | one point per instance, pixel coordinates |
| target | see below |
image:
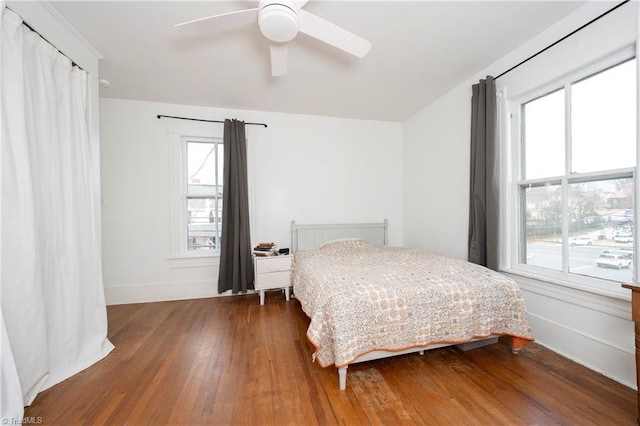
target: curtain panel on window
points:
(484, 184)
(54, 319)
(236, 267)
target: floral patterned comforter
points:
(362, 298)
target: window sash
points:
(202, 232)
(516, 223)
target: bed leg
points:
(342, 377)
(421, 352)
(517, 344)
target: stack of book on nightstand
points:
(265, 249)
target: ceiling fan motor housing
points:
(278, 20)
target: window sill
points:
(202, 261)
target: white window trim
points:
(510, 148)
(177, 133)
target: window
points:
(196, 170)
(203, 194)
(575, 177)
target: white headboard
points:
(309, 237)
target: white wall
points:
(592, 329)
(308, 168)
(436, 175)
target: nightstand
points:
(272, 272)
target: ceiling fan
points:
(280, 21)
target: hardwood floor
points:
(230, 361)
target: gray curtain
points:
(484, 185)
(236, 268)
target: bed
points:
(367, 300)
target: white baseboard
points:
(162, 292)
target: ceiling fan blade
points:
(329, 33)
(224, 21)
(300, 3)
(279, 59)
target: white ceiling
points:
(421, 49)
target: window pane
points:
(204, 223)
(604, 120)
(543, 129)
(601, 229)
(542, 207)
(202, 170)
(204, 195)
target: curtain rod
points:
(207, 121)
(563, 38)
(73, 64)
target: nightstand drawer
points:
(273, 264)
(273, 280)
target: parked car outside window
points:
(623, 238)
(610, 260)
(580, 241)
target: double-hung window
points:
(196, 160)
(574, 177)
(202, 189)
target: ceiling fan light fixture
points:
(278, 22)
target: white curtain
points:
(51, 292)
